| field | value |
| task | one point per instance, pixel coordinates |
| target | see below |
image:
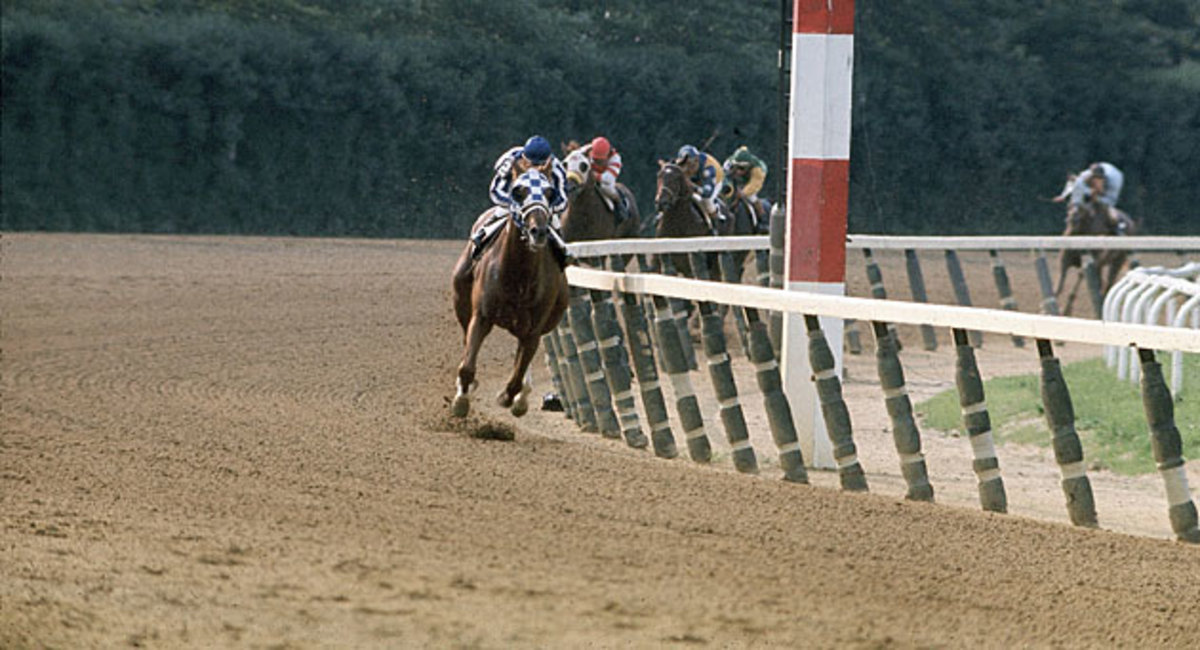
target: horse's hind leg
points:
(516, 394)
(477, 330)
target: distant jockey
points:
(606, 167)
(534, 154)
(745, 173)
(706, 175)
(1102, 180)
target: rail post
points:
(961, 291)
(1049, 300)
(904, 429)
(779, 412)
(588, 351)
(558, 375)
(879, 291)
(721, 373)
(675, 363)
(916, 284)
(1068, 451)
(616, 367)
(833, 408)
(642, 351)
(1168, 448)
(1004, 288)
(978, 425)
(583, 403)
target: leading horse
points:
(517, 284)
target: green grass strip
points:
(1109, 415)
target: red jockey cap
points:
(600, 148)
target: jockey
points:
(606, 167)
(745, 173)
(706, 174)
(534, 154)
(1102, 180)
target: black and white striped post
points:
(833, 408)
(588, 352)
(1168, 448)
(916, 285)
(675, 364)
(642, 351)
(979, 426)
(616, 367)
(569, 354)
(558, 375)
(1004, 288)
(1068, 451)
(878, 290)
(899, 408)
(720, 372)
(962, 292)
(1049, 300)
(779, 411)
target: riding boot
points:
(477, 244)
(562, 254)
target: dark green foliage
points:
(383, 117)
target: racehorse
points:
(588, 216)
(679, 216)
(1093, 217)
(516, 283)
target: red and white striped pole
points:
(818, 190)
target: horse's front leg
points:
(516, 393)
(477, 330)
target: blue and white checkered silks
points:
(536, 185)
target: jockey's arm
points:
(501, 188)
(711, 178)
(752, 186)
(558, 176)
(612, 170)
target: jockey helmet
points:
(536, 150)
(688, 153)
(600, 148)
(1097, 170)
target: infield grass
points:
(1109, 415)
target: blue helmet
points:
(688, 153)
(536, 150)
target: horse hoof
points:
(461, 406)
(520, 407)
(504, 399)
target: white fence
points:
(1114, 334)
(1150, 296)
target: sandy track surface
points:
(227, 442)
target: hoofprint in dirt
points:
(244, 442)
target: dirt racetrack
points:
(244, 442)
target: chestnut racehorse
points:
(517, 284)
(1093, 217)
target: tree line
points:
(383, 117)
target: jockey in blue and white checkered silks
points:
(536, 154)
(706, 174)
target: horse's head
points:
(578, 170)
(532, 191)
(673, 186)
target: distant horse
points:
(517, 284)
(1093, 217)
(588, 216)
